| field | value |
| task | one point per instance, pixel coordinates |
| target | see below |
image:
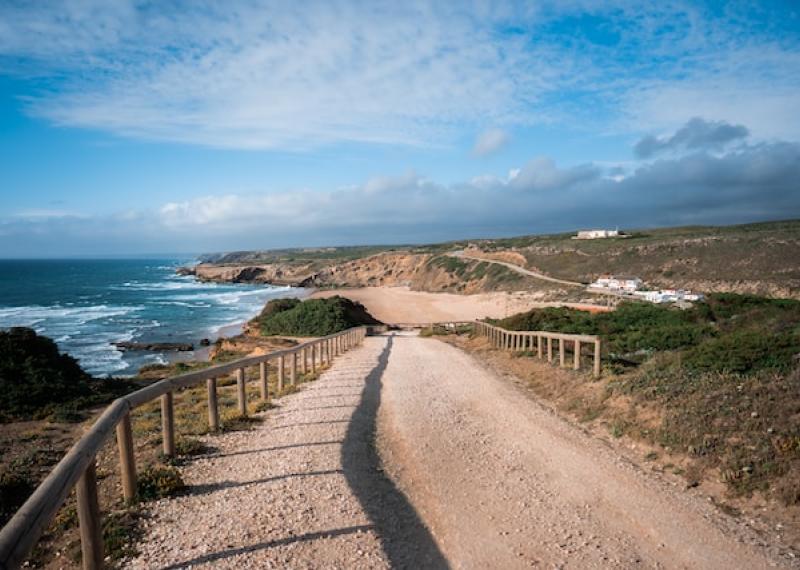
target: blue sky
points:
(130, 127)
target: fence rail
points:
(77, 469)
(542, 343)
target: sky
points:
(131, 127)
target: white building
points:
(669, 296)
(617, 284)
(596, 234)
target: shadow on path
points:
(209, 488)
(405, 539)
(217, 556)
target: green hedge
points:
(314, 317)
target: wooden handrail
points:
(22, 532)
(524, 340)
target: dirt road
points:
(503, 483)
(467, 473)
(519, 269)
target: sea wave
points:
(30, 315)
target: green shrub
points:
(33, 374)
(36, 380)
(744, 351)
(632, 327)
(190, 446)
(121, 530)
(314, 317)
(157, 481)
(16, 486)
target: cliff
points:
(761, 259)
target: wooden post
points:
(539, 346)
(576, 357)
(596, 369)
(549, 348)
(314, 357)
(263, 377)
(293, 371)
(281, 368)
(213, 409)
(167, 425)
(562, 354)
(242, 393)
(127, 460)
(89, 519)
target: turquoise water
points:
(86, 305)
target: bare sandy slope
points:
(401, 305)
(503, 483)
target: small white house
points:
(618, 283)
(596, 234)
(670, 296)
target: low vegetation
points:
(728, 333)
(37, 381)
(314, 317)
(721, 380)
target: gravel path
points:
(499, 481)
(302, 490)
(504, 483)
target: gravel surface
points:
(504, 483)
(302, 490)
(499, 481)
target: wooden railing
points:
(541, 342)
(78, 467)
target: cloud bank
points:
(695, 135)
(751, 181)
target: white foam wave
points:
(31, 315)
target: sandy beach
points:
(401, 305)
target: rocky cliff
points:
(418, 271)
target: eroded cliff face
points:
(419, 272)
(274, 273)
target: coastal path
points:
(410, 453)
(518, 269)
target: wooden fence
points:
(542, 343)
(78, 467)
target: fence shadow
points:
(405, 539)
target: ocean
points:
(87, 305)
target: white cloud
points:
(272, 74)
(490, 141)
(247, 74)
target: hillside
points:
(762, 258)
